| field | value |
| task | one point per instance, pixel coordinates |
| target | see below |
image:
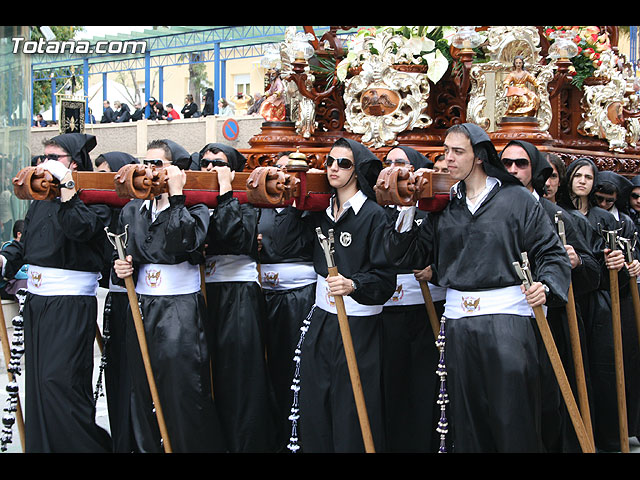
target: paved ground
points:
(101, 408)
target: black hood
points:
(117, 160)
(367, 166)
(179, 155)
(78, 145)
(492, 164)
(620, 184)
(237, 161)
(416, 159)
(541, 169)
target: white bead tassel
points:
(293, 445)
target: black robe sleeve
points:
(233, 229)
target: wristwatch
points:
(68, 184)
(546, 289)
(354, 286)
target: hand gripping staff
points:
(628, 245)
(524, 272)
(356, 385)
(611, 242)
(119, 242)
(576, 349)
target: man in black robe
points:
(114, 318)
(328, 420)
(494, 359)
(63, 243)
(409, 353)
(289, 289)
(164, 251)
(524, 161)
(236, 317)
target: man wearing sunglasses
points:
(63, 243)
(164, 250)
(494, 361)
(235, 312)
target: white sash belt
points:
(49, 281)
(507, 300)
(408, 291)
(230, 268)
(327, 303)
(285, 276)
(162, 279)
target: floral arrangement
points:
(420, 46)
(591, 42)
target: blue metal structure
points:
(167, 47)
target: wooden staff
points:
(611, 241)
(576, 348)
(431, 309)
(119, 245)
(7, 355)
(587, 446)
(628, 246)
(356, 385)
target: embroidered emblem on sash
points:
(330, 299)
(398, 294)
(470, 304)
(153, 278)
(418, 221)
(36, 278)
(209, 268)
(270, 278)
(345, 239)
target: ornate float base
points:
(520, 128)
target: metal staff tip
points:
(327, 246)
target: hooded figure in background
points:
(612, 193)
(328, 418)
(577, 196)
(63, 243)
(116, 371)
(524, 161)
(409, 353)
(491, 334)
(630, 200)
(235, 313)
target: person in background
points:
(208, 103)
(172, 114)
(190, 108)
(107, 113)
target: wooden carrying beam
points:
(262, 187)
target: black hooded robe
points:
(328, 420)
(596, 315)
(236, 321)
(285, 308)
(59, 330)
(409, 359)
(116, 371)
(495, 362)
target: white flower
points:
(438, 65)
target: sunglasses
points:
(635, 196)
(216, 163)
(344, 163)
(52, 156)
(156, 162)
(601, 199)
(520, 162)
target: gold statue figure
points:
(523, 102)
